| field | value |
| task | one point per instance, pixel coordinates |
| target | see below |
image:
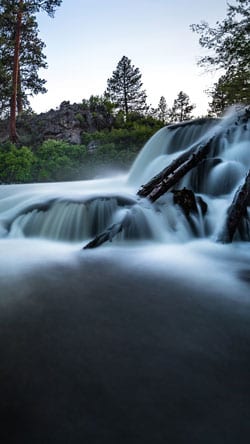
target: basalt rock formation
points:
(66, 123)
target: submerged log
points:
(172, 174)
(109, 233)
(236, 211)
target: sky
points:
(87, 38)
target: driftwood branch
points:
(110, 232)
(146, 189)
(236, 211)
(172, 174)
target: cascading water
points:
(142, 340)
(77, 212)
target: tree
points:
(231, 88)
(162, 111)
(31, 60)
(229, 43)
(219, 99)
(124, 88)
(21, 51)
(16, 164)
(4, 88)
(181, 109)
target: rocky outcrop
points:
(66, 123)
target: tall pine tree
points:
(31, 60)
(21, 53)
(125, 88)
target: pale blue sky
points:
(87, 38)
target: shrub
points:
(16, 164)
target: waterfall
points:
(78, 211)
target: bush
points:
(57, 160)
(16, 164)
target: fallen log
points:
(146, 189)
(109, 233)
(171, 174)
(170, 180)
(236, 211)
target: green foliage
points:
(162, 111)
(30, 54)
(118, 147)
(229, 46)
(231, 88)
(135, 131)
(49, 6)
(124, 88)
(228, 40)
(181, 109)
(100, 152)
(57, 160)
(16, 164)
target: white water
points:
(67, 215)
(77, 211)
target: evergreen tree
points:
(21, 53)
(125, 88)
(162, 111)
(31, 60)
(231, 88)
(229, 43)
(219, 100)
(181, 109)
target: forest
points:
(112, 128)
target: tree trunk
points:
(236, 211)
(13, 102)
(109, 233)
(19, 94)
(170, 175)
(146, 189)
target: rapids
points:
(142, 340)
(77, 211)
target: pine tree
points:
(219, 100)
(21, 53)
(125, 88)
(231, 88)
(31, 60)
(181, 109)
(162, 111)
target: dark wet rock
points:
(187, 200)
